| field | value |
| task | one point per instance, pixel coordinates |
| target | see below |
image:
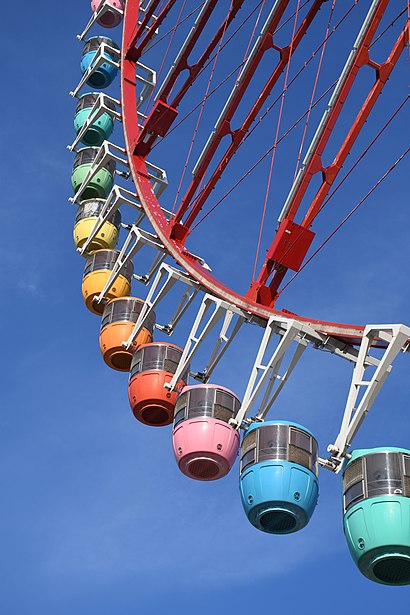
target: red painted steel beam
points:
(194, 69)
(272, 264)
(330, 172)
(182, 62)
(134, 52)
(238, 134)
(266, 43)
(315, 163)
(163, 114)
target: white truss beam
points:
(224, 116)
(137, 239)
(105, 55)
(109, 151)
(96, 112)
(183, 48)
(200, 331)
(265, 377)
(323, 125)
(362, 393)
(165, 279)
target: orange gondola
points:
(153, 365)
(119, 318)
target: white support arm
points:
(187, 298)
(108, 151)
(197, 336)
(97, 110)
(98, 60)
(268, 375)
(223, 342)
(137, 239)
(155, 265)
(102, 8)
(362, 393)
(117, 197)
(270, 397)
(159, 289)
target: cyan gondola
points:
(278, 481)
(86, 217)
(97, 270)
(205, 444)
(376, 498)
(105, 74)
(109, 18)
(154, 365)
(101, 183)
(119, 318)
(101, 129)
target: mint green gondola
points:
(376, 494)
(101, 129)
(101, 183)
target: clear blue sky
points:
(95, 516)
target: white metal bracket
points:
(222, 309)
(137, 238)
(264, 377)
(146, 77)
(117, 197)
(100, 11)
(167, 276)
(109, 151)
(362, 393)
(97, 110)
(105, 55)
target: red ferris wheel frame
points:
(281, 255)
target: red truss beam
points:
(194, 69)
(133, 52)
(223, 126)
(238, 134)
(330, 172)
(163, 113)
(292, 240)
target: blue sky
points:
(95, 516)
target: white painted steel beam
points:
(167, 276)
(363, 392)
(137, 239)
(201, 328)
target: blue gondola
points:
(278, 481)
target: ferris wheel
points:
(199, 191)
